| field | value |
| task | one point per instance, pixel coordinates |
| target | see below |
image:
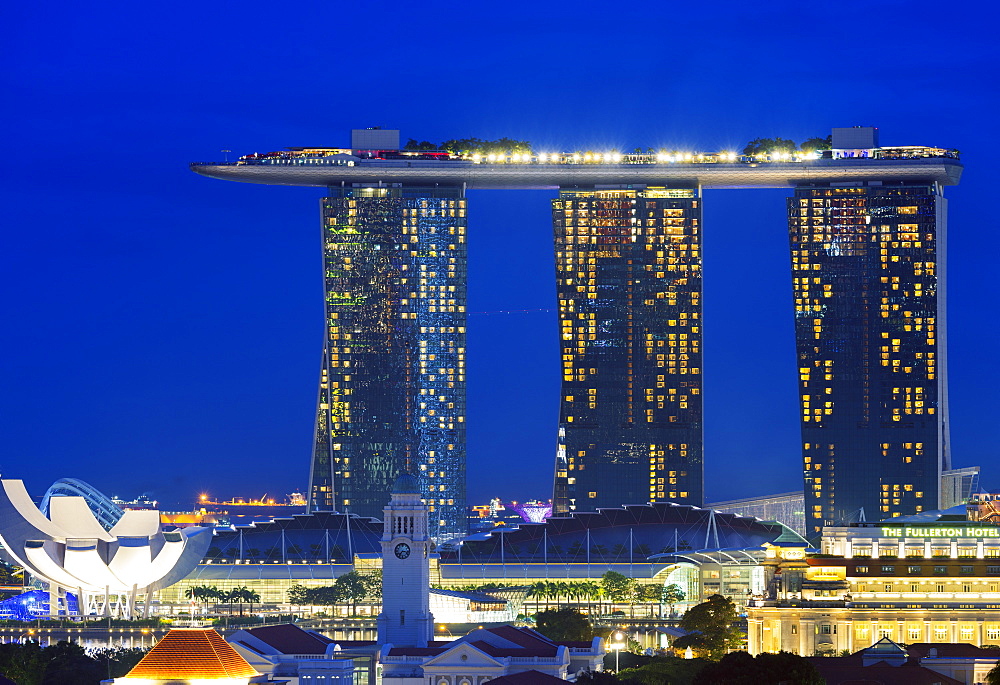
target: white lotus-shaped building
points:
(71, 551)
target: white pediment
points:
(462, 656)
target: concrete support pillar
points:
(927, 631)
(953, 630)
(980, 634)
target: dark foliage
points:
(64, 663)
(711, 627)
(563, 624)
(739, 668)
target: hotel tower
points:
(628, 278)
(868, 282)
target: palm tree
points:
(555, 589)
(252, 597)
(237, 594)
(537, 592)
(592, 591)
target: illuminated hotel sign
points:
(940, 532)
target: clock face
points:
(402, 550)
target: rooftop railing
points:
(337, 157)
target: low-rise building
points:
(931, 578)
(191, 656)
(289, 654)
(890, 663)
(489, 653)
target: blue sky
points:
(162, 330)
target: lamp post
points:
(617, 645)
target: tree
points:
(563, 624)
(814, 144)
(671, 595)
(67, 663)
(237, 594)
(710, 627)
(739, 668)
(617, 587)
(22, 663)
(537, 592)
(251, 597)
(373, 585)
(603, 678)
(298, 595)
(769, 146)
(992, 678)
(663, 669)
(116, 662)
(351, 587)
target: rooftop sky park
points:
(551, 170)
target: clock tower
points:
(406, 619)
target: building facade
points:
(628, 275)
(787, 507)
(392, 385)
(922, 580)
(869, 315)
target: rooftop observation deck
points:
(322, 167)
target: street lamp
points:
(617, 644)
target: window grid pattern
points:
(865, 279)
(628, 273)
(392, 393)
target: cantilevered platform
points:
(536, 175)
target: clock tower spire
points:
(406, 619)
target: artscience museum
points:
(114, 572)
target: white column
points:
(807, 630)
(754, 628)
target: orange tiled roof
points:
(192, 653)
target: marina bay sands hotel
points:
(867, 230)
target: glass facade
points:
(628, 274)
(869, 307)
(392, 385)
